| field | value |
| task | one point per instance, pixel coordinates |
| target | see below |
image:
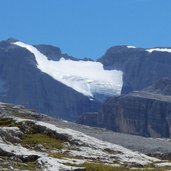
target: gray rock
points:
(39, 147)
(11, 134)
(145, 113)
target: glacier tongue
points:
(86, 77)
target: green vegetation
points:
(6, 163)
(72, 148)
(5, 166)
(31, 166)
(60, 155)
(103, 167)
(7, 122)
(48, 142)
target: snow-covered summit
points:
(86, 77)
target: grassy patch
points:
(31, 166)
(60, 155)
(7, 162)
(72, 148)
(5, 166)
(48, 142)
(7, 122)
(103, 167)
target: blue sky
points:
(87, 28)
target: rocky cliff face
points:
(21, 82)
(141, 67)
(146, 112)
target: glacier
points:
(86, 77)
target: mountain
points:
(141, 67)
(32, 141)
(42, 78)
(145, 112)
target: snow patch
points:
(159, 50)
(85, 77)
(131, 47)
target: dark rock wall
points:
(146, 112)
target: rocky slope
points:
(29, 144)
(145, 112)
